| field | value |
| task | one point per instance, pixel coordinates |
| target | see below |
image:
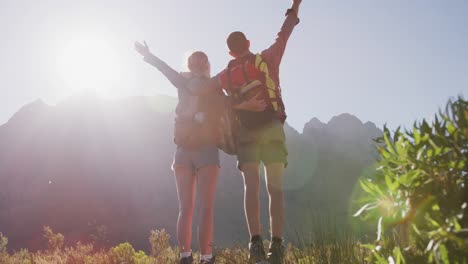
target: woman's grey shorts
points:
(196, 158)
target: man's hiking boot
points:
(211, 261)
(256, 252)
(187, 260)
(276, 252)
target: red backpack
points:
(247, 77)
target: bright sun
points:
(89, 64)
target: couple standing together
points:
(252, 84)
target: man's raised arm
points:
(275, 52)
(295, 6)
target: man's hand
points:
(142, 49)
(254, 105)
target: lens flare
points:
(89, 64)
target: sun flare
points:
(89, 64)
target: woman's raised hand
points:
(142, 49)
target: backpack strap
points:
(274, 91)
(229, 80)
(269, 83)
(244, 71)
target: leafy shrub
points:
(418, 199)
(3, 248)
(54, 240)
(21, 257)
(81, 254)
(123, 253)
(160, 247)
(159, 241)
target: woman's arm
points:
(255, 104)
(172, 75)
(199, 86)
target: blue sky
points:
(383, 61)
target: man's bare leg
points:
(274, 182)
(251, 174)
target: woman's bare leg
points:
(185, 180)
(207, 178)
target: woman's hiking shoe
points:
(187, 260)
(256, 252)
(276, 253)
(211, 261)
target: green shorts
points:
(266, 144)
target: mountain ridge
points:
(168, 107)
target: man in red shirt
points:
(261, 137)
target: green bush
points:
(123, 253)
(418, 198)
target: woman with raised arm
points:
(196, 160)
